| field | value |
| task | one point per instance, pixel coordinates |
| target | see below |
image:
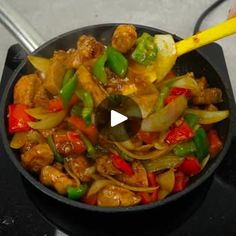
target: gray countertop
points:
(52, 18)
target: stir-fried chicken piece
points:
(114, 196)
(52, 177)
(139, 178)
(124, 38)
(79, 165)
(37, 157)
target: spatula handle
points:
(207, 36)
(26, 35)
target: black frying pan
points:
(193, 61)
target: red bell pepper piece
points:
(152, 179)
(179, 134)
(56, 104)
(215, 144)
(91, 200)
(147, 137)
(18, 118)
(181, 181)
(180, 91)
(175, 92)
(152, 182)
(146, 198)
(190, 166)
(121, 164)
(170, 99)
(90, 131)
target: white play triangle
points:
(117, 118)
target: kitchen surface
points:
(28, 212)
(52, 18)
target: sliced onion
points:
(166, 181)
(38, 112)
(132, 188)
(166, 56)
(163, 163)
(209, 117)
(19, 139)
(69, 172)
(164, 118)
(205, 161)
(150, 155)
(144, 148)
(160, 145)
(131, 146)
(97, 186)
(162, 193)
(40, 63)
(49, 121)
(187, 81)
(128, 145)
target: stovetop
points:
(209, 210)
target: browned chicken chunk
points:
(114, 196)
(37, 157)
(52, 177)
(139, 178)
(47, 132)
(202, 83)
(87, 82)
(124, 38)
(41, 98)
(25, 89)
(104, 166)
(208, 96)
(70, 58)
(89, 48)
(54, 78)
(79, 165)
(33, 138)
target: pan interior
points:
(192, 62)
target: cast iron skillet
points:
(193, 61)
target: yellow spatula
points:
(207, 36)
(168, 50)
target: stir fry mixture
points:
(51, 120)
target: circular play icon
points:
(118, 118)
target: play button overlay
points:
(118, 118)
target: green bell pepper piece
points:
(146, 50)
(51, 144)
(184, 149)
(117, 62)
(191, 119)
(161, 99)
(90, 148)
(87, 110)
(99, 69)
(201, 142)
(75, 193)
(76, 110)
(69, 73)
(68, 90)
